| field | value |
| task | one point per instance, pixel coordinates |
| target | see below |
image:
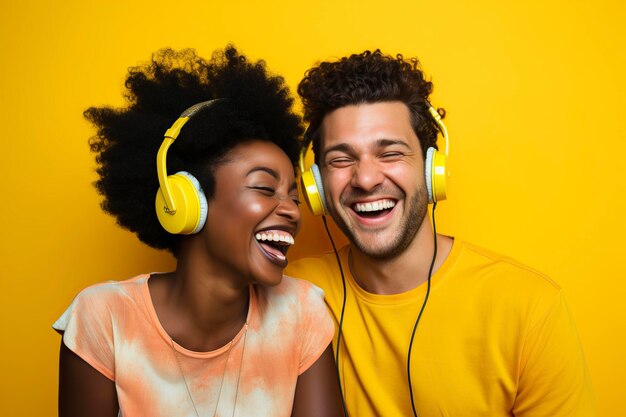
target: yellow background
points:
(535, 98)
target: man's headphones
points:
(435, 173)
(180, 203)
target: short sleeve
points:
(554, 378)
(317, 326)
(87, 329)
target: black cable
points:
(419, 316)
(343, 308)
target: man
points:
(495, 338)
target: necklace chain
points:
(219, 393)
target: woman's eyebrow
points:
(273, 173)
(263, 169)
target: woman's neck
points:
(200, 305)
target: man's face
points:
(373, 174)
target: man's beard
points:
(411, 223)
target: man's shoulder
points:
(324, 260)
(491, 268)
(321, 269)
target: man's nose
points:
(367, 174)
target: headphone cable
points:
(419, 316)
(343, 309)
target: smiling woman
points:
(225, 333)
(256, 186)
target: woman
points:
(224, 334)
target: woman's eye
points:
(266, 190)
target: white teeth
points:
(375, 206)
(276, 237)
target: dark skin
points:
(83, 391)
(204, 303)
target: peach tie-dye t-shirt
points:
(113, 326)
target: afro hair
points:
(258, 105)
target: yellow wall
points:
(535, 97)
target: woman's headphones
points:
(180, 203)
(435, 173)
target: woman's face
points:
(253, 215)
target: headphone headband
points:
(442, 127)
(180, 203)
(171, 135)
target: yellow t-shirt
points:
(496, 339)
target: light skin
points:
(204, 303)
(370, 155)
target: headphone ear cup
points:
(428, 173)
(203, 205)
(191, 205)
(313, 190)
(315, 170)
(435, 173)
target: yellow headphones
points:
(180, 203)
(435, 173)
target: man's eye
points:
(389, 155)
(340, 162)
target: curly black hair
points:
(258, 105)
(368, 77)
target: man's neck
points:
(403, 272)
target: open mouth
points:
(275, 244)
(374, 209)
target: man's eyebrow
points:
(380, 143)
(263, 169)
(340, 147)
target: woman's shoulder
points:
(114, 289)
(100, 303)
(295, 287)
(103, 299)
(292, 295)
